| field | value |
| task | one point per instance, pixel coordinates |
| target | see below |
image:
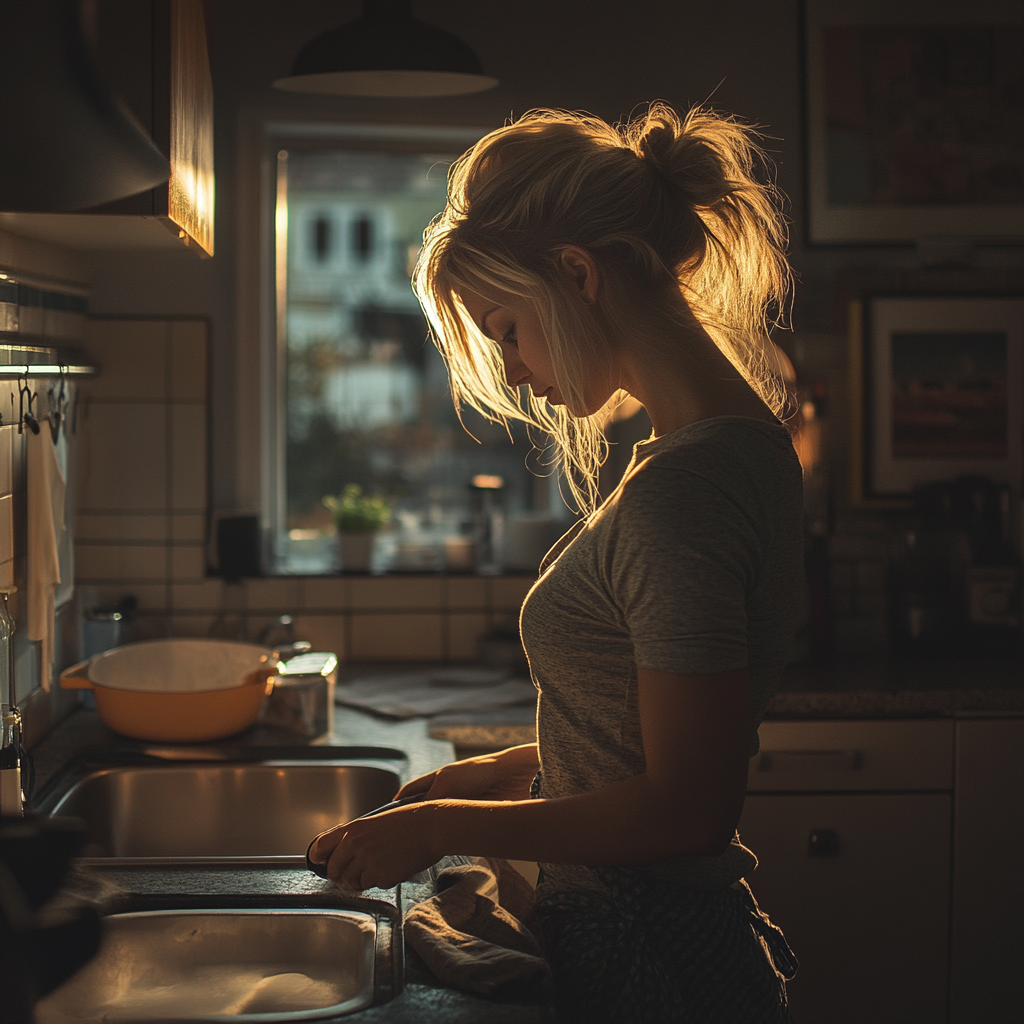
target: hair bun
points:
(677, 152)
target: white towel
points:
(45, 531)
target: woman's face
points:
(513, 324)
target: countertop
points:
(870, 689)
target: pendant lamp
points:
(387, 52)
(68, 142)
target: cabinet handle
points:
(810, 760)
(823, 842)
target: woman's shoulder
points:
(725, 451)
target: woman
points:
(576, 264)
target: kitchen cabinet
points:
(851, 822)
(154, 55)
(987, 940)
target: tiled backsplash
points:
(141, 525)
(387, 618)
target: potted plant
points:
(358, 517)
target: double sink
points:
(178, 956)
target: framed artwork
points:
(914, 120)
(937, 388)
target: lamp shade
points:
(387, 52)
(68, 142)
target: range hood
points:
(83, 169)
(69, 143)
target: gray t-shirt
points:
(693, 564)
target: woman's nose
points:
(516, 371)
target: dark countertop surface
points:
(843, 690)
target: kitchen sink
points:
(265, 812)
(222, 964)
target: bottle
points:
(12, 803)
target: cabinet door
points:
(865, 907)
(988, 884)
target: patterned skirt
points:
(645, 955)
(641, 953)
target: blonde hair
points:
(663, 204)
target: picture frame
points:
(913, 121)
(937, 391)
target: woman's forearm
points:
(522, 756)
(628, 822)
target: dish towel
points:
(45, 530)
(472, 934)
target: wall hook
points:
(56, 407)
(26, 419)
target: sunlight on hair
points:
(660, 202)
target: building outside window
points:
(365, 395)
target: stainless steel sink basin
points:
(220, 965)
(194, 812)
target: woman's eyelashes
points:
(510, 337)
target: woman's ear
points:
(583, 269)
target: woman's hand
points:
(380, 851)
(506, 775)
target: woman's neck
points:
(681, 377)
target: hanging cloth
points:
(46, 529)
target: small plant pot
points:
(356, 550)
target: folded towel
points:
(475, 934)
(45, 531)
(411, 694)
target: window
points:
(364, 394)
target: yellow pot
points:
(177, 716)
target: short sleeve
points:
(682, 559)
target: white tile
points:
(324, 593)
(464, 632)
(188, 359)
(188, 562)
(467, 592)
(396, 592)
(150, 597)
(126, 562)
(276, 594)
(121, 528)
(396, 637)
(132, 356)
(188, 440)
(206, 596)
(188, 527)
(192, 625)
(123, 457)
(324, 632)
(509, 592)
(152, 627)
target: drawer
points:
(850, 756)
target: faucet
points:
(279, 633)
(283, 623)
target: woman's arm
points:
(695, 734)
(505, 775)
